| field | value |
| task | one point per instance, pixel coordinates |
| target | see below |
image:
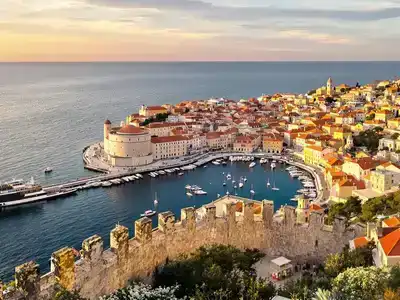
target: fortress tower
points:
(329, 87)
(107, 128)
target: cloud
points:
(218, 12)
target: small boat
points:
(188, 187)
(227, 193)
(252, 190)
(48, 170)
(155, 199)
(180, 174)
(224, 163)
(148, 213)
(139, 175)
(252, 165)
(241, 184)
(235, 186)
(205, 166)
(224, 183)
(106, 184)
(189, 194)
(268, 184)
(155, 173)
(275, 188)
(294, 199)
(200, 192)
(162, 172)
(216, 163)
(244, 179)
(273, 165)
(229, 176)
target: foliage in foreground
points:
(140, 291)
(367, 212)
(216, 272)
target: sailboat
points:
(252, 190)
(275, 188)
(155, 199)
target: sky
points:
(199, 30)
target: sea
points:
(50, 111)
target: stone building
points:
(127, 146)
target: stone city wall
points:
(100, 271)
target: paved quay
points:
(94, 160)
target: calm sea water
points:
(49, 112)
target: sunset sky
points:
(199, 30)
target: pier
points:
(71, 187)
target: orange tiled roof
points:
(392, 222)
(391, 243)
(360, 242)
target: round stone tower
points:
(107, 128)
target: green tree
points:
(370, 117)
(395, 136)
(321, 294)
(361, 284)
(63, 294)
(338, 262)
(394, 279)
(350, 208)
(204, 272)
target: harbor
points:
(55, 223)
(175, 166)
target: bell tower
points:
(329, 87)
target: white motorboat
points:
(268, 184)
(227, 192)
(228, 176)
(162, 172)
(152, 175)
(273, 166)
(189, 194)
(180, 174)
(200, 192)
(244, 179)
(96, 184)
(188, 187)
(155, 173)
(195, 188)
(235, 186)
(106, 184)
(216, 163)
(48, 170)
(126, 179)
(252, 165)
(241, 184)
(224, 183)
(139, 175)
(148, 213)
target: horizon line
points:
(199, 61)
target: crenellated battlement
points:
(230, 220)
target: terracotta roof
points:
(392, 222)
(156, 108)
(315, 207)
(213, 135)
(391, 243)
(360, 242)
(130, 129)
(107, 122)
(168, 139)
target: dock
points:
(71, 187)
